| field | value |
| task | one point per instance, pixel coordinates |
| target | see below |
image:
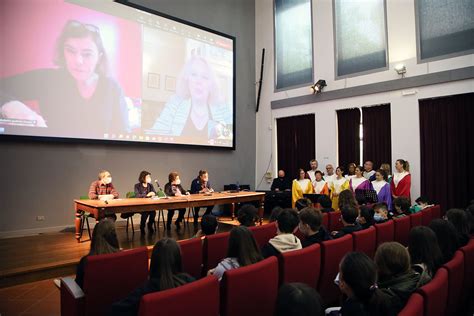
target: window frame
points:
(365, 72)
(275, 69)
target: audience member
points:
(326, 204)
(166, 272)
(346, 197)
(242, 251)
(460, 221)
(401, 207)
(302, 203)
(247, 215)
(348, 217)
(366, 217)
(424, 252)
(381, 214)
(447, 237)
(208, 226)
(284, 241)
(395, 276)
(311, 227)
(298, 299)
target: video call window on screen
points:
(103, 70)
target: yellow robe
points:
(297, 191)
(338, 189)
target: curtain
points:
(377, 135)
(296, 143)
(348, 124)
(447, 150)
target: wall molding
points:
(378, 87)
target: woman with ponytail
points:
(401, 181)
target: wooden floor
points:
(46, 256)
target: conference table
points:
(99, 209)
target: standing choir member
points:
(359, 182)
(351, 171)
(313, 164)
(174, 188)
(401, 183)
(330, 175)
(320, 186)
(201, 185)
(382, 187)
(386, 167)
(144, 189)
(301, 185)
(338, 185)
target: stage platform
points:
(46, 256)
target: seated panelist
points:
(201, 185)
(103, 189)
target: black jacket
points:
(320, 236)
(347, 230)
(399, 288)
(131, 304)
(281, 184)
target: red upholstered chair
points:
(198, 298)
(365, 241)
(332, 252)
(301, 265)
(402, 229)
(436, 211)
(416, 219)
(435, 294)
(385, 232)
(191, 256)
(325, 220)
(334, 221)
(250, 290)
(455, 268)
(214, 250)
(107, 279)
(426, 216)
(468, 252)
(263, 233)
(414, 306)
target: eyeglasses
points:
(89, 27)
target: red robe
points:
(403, 187)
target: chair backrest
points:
(250, 290)
(109, 278)
(84, 197)
(332, 252)
(130, 195)
(301, 265)
(468, 252)
(385, 232)
(426, 216)
(263, 233)
(436, 211)
(325, 220)
(334, 221)
(365, 241)
(435, 294)
(416, 219)
(414, 306)
(214, 250)
(455, 268)
(198, 298)
(191, 256)
(402, 229)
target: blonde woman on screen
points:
(197, 109)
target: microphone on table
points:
(157, 184)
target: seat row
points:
(109, 278)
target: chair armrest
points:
(72, 298)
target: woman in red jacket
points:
(401, 181)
